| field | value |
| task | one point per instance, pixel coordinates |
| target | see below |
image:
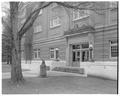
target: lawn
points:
(7, 68)
(58, 83)
(61, 85)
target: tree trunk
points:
(16, 71)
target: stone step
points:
(70, 69)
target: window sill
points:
(55, 26)
(81, 18)
(37, 32)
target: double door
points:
(79, 56)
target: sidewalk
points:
(49, 73)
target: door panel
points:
(76, 58)
(85, 56)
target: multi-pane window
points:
(54, 53)
(113, 49)
(36, 53)
(78, 14)
(80, 52)
(37, 29)
(55, 22)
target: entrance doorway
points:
(80, 53)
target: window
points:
(113, 49)
(80, 52)
(36, 53)
(37, 29)
(55, 22)
(85, 45)
(54, 53)
(78, 14)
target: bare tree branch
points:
(7, 29)
(80, 8)
(31, 18)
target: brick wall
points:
(102, 44)
(45, 48)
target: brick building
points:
(77, 37)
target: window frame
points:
(55, 51)
(38, 29)
(53, 24)
(110, 48)
(52, 50)
(78, 14)
(36, 51)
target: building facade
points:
(77, 36)
(59, 32)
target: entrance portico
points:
(78, 46)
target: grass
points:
(61, 85)
(7, 68)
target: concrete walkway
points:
(49, 73)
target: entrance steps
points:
(75, 70)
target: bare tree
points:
(16, 71)
(17, 33)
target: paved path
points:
(6, 75)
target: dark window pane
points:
(35, 54)
(57, 54)
(74, 56)
(85, 45)
(76, 46)
(85, 56)
(78, 54)
(38, 54)
(52, 54)
(114, 52)
(73, 46)
(114, 41)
